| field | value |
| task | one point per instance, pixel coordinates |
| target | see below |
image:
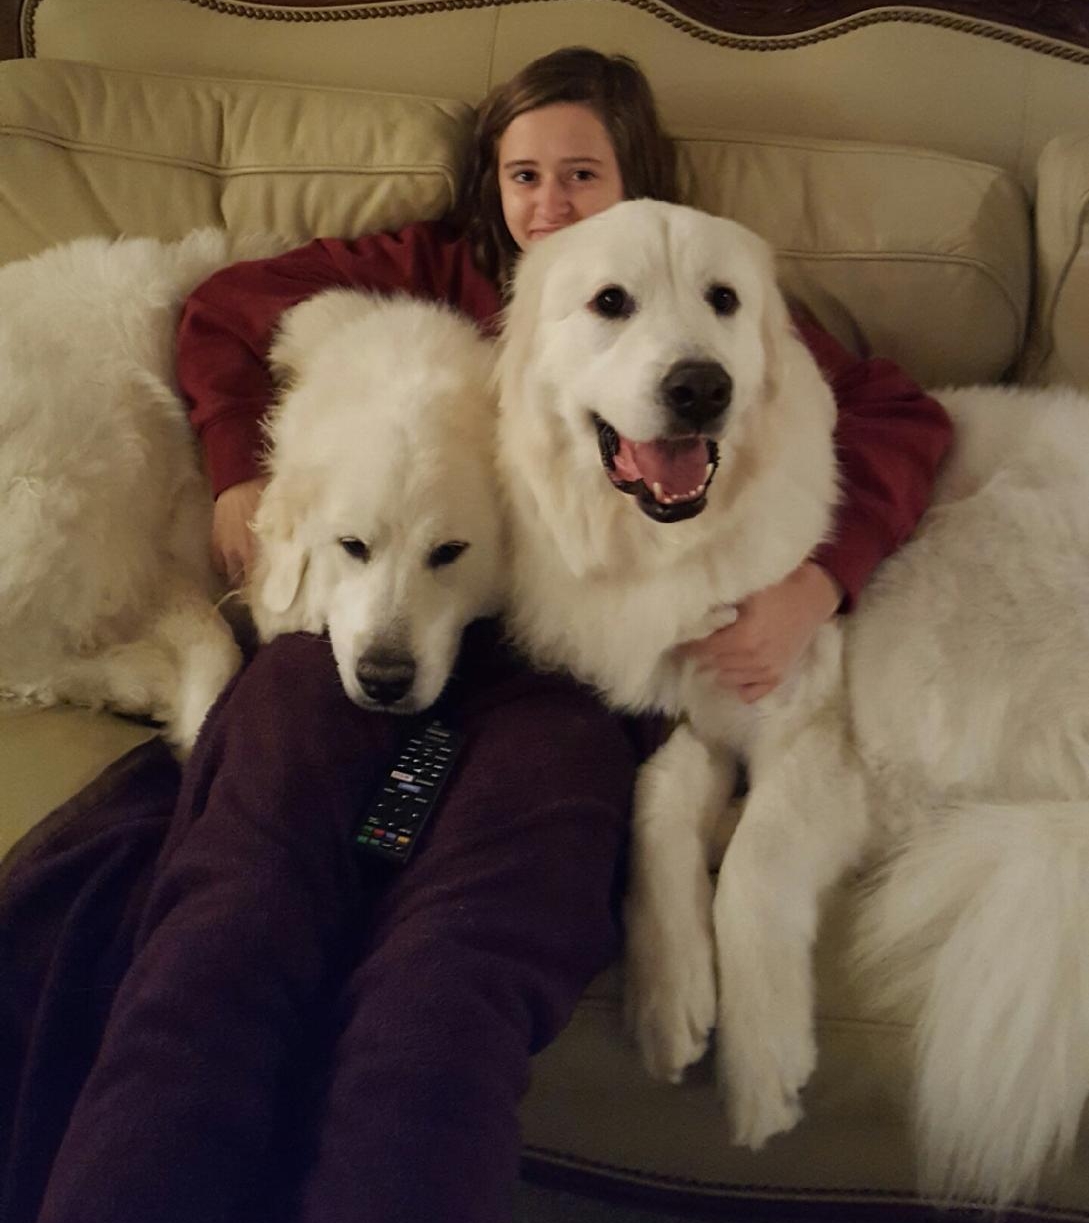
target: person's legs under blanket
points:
(476, 955)
(71, 894)
(243, 925)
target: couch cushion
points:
(47, 755)
(928, 255)
(1057, 349)
(635, 1130)
(87, 150)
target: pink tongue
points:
(679, 467)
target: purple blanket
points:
(70, 895)
(210, 1010)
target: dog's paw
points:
(669, 1006)
(759, 1111)
(760, 1076)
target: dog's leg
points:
(131, 677)
(681, 795)
(171, 674)
(803, 827)
(205, 656)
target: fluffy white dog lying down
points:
(380, 521)
(107, 592)
(946, 727)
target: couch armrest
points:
(1056, 351)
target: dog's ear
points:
(283, 577)
(283, 554)
(775, 326)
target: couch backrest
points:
(923, 256)
(927, 255)
(91, 150)
(990, 80)
(894, 169)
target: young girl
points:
(303, 1036)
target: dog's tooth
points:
(709, 470)
(656, 489)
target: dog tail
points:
(978, 930)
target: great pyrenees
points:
(666, 449)
(380, 520)
(107, 591)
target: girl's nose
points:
(553, 201)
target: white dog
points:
(380, 520)
(666, 449)
(107, 592)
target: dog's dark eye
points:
(722, 299)
(355, 548)
(613, 302)
(446, 554)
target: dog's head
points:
(650, 331)
(379, 521)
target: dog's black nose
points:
(697, 392)
(385, 678)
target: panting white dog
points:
(666, 449)
(380, 521)
(107, 591)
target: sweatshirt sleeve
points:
(228, 323)
(890, 439)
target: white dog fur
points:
(108, 595)
(381, 517)
(946, 727)
(107, 592)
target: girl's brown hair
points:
(614, 88)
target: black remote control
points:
(409, 794)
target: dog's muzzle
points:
(669, 476)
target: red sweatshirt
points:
(890, 437)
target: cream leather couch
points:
(925, 175)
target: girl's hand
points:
(233, 544)
(773, 629)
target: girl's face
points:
(556, 166)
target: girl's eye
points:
(447, 553)
(524, 176)
(584, 176)
(355, 548)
